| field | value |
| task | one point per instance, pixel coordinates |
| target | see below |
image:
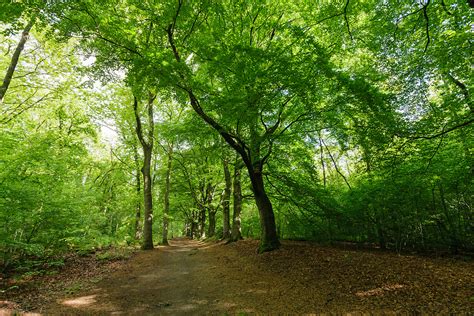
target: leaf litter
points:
(191, 277)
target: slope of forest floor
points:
(191, 277)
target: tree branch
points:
(444, 131)
(347, 20)
(232, 140)
(298, 119)
(464, 90)
(445, 8)
(335, 165)
(138, 127)
(16, 56)
(425, 14)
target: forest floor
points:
(194, 278)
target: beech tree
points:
(146, 140)
(347, 121)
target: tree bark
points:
(147, 146)
(226, 201)
(211, 229)
(148, 199)
(16, 56)
(166, 210)
(321, 156)
(202, 222)
(268, 237)
(194, 225)
(138, 206)
(236, 233)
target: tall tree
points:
(236, 233)
(146, 140)
(138, 187)
(166, 210)
(15, 57)
(226, 228)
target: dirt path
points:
(195, 278)
(168, 281)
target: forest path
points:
(195, 278)
(173, 280)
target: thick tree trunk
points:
(226, 201)
(211, 230)
(236, 233)
(147, 194)
(268, 238)
(202, 223)
(16, 56)
(166, 210)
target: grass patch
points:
(114, 254)
(73, 288)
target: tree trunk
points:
(166, 210)
(202, 223)
(138, 207)
(147, 194)
(321, 157)
(211, 230)
(16, 56)
(268, 236)
(147, 145)
(237, 195)
(226, 201)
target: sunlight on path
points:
(80, 301)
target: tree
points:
(364, 87)
(15, 57)
(166, 210)
(146, 140)
(236, 233)
(226, 228)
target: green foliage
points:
(359, 117)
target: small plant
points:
(114, 254)
(74, 288)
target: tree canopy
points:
(134, 121)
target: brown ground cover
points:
(194, 278)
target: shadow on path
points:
(178, 279)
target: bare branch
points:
(252, 28)
(16, 56)
(444, 131)
(18, 110)
(192, 27)
(131, 50)
(445, 8)
(173, 25)
(272, 129)
(434, 152)
(335, 165)
(427, 26)
(298, 119)
(347, 20)
(464, 90)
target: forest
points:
(129, 123)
